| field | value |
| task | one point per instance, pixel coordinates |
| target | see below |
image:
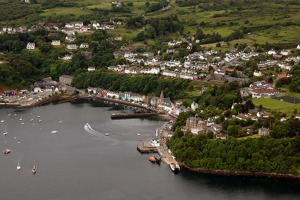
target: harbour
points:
(76, 164)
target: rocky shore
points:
(242, 173)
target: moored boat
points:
(152, 159)
(175, 167)
(158, 159)
(18, 166)
(6, 151)
(33, 169)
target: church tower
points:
(161, 98)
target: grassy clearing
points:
(122, 31)
(277, 105)
(254, 136)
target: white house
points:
(72, 46)
(67, 57)
(169, 73)
(70, 38)
(37, 89)
(84, 45)
(113, 94)
(272, 52)
(91, 69)
(78, 25)
(257, 73)
(55, 42)
(69, 25)
(151, 71)
(30, 45)
(194, 106)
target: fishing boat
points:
(6, 151)
(174, 167)
(33, 169)
(18, 166)
(152, 159)
(158, 159)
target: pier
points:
(146, 147)
(134, 115)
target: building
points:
(91, 69)
(196, 125)
(66, 79)
(263, 131)
(72, 46)
(55, 42)
(30, 46)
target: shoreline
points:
(245, 174)
(61, 99)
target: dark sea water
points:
(80, 164)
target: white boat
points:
(60, 122)
(2, 121)
(31, 120)
(39, 116)
(107, 134)
(21, 118)
(6, 151)
(138, 134)
(174, 167)
(54, 131)
(33, 168)
(22, 123)
(18, 166)
(5, 132)
(39, 120)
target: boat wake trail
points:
(90, 130)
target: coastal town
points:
(222, 92)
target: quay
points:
(134, 115)
(147, 148)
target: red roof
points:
(280, 76)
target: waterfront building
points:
(66, 79)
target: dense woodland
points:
(255, 155)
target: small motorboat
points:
(18, 166)
(138, 134)
(33, 169)
(6, 151)
(31, 120)
(54, 131)
(106, 134)
(39, 120)
(157, 158)
(152, 159)
(174, 167)
(60, 122)
(2, 121)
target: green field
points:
(277, 105)
(64, 11)
(267, 21)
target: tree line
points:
(264, 155)
(142, 84)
